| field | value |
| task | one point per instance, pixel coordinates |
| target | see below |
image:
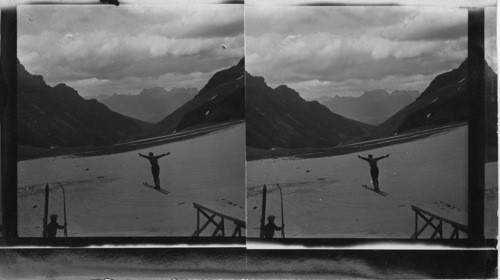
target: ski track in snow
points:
(329, 201)
(105, 197)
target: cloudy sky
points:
(108, 49)
(348, 50)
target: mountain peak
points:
(21, 71)
(241, 63)
(150, 105)
(378, 93)
(257, 80)
(230, 74)
(64, 118)
(372, 107)
(283, 88)
(465, 62)
(324, 99)
(61, 86)
(66, 90)
(221, 100)
(451, 77)
(280, 117)
(183, 90)
(285, 91)
(411, 93)
(154, 91)
(443, 102)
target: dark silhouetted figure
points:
(53, 226)
(155, 168)
(373, 168)
(271, 227)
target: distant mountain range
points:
(281, 118)
(372, 107)
(49, 117)
(278, 117)
(98, 97)
(444, 101)
(59, 118)
(150, 105)
(222, 99)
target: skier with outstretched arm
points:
(53, 226)
(155, 168)
(373, 168)
(271, 227)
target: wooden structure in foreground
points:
(436, 222)
(211, 216)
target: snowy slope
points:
(323, 197)
(104, 195)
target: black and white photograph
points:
(284, 139)
(357, 122)
(130, 120)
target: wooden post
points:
(282, 214)
(198, 221)
(222, 225)
(237, 231)
(416, 225)
(428, 218)
(64, 204)
(219, 226)
(46, 211)
(263, 216)
(441, 228)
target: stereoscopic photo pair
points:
(234, 121)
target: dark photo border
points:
(224, 263)
(9, 159)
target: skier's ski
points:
(282, 216)
(373, 190)
(46, 211)
(64, 201)
(154, 188)
(263, 217)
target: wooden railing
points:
(211, 215)
(429, 218)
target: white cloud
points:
(202, 21)
(381, 47)
(423, 23)
(130, 46)
(308, 85)
(87, 82)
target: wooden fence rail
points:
(211, 216)
(429, 218)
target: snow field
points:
(323, 197)
(105, 197)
